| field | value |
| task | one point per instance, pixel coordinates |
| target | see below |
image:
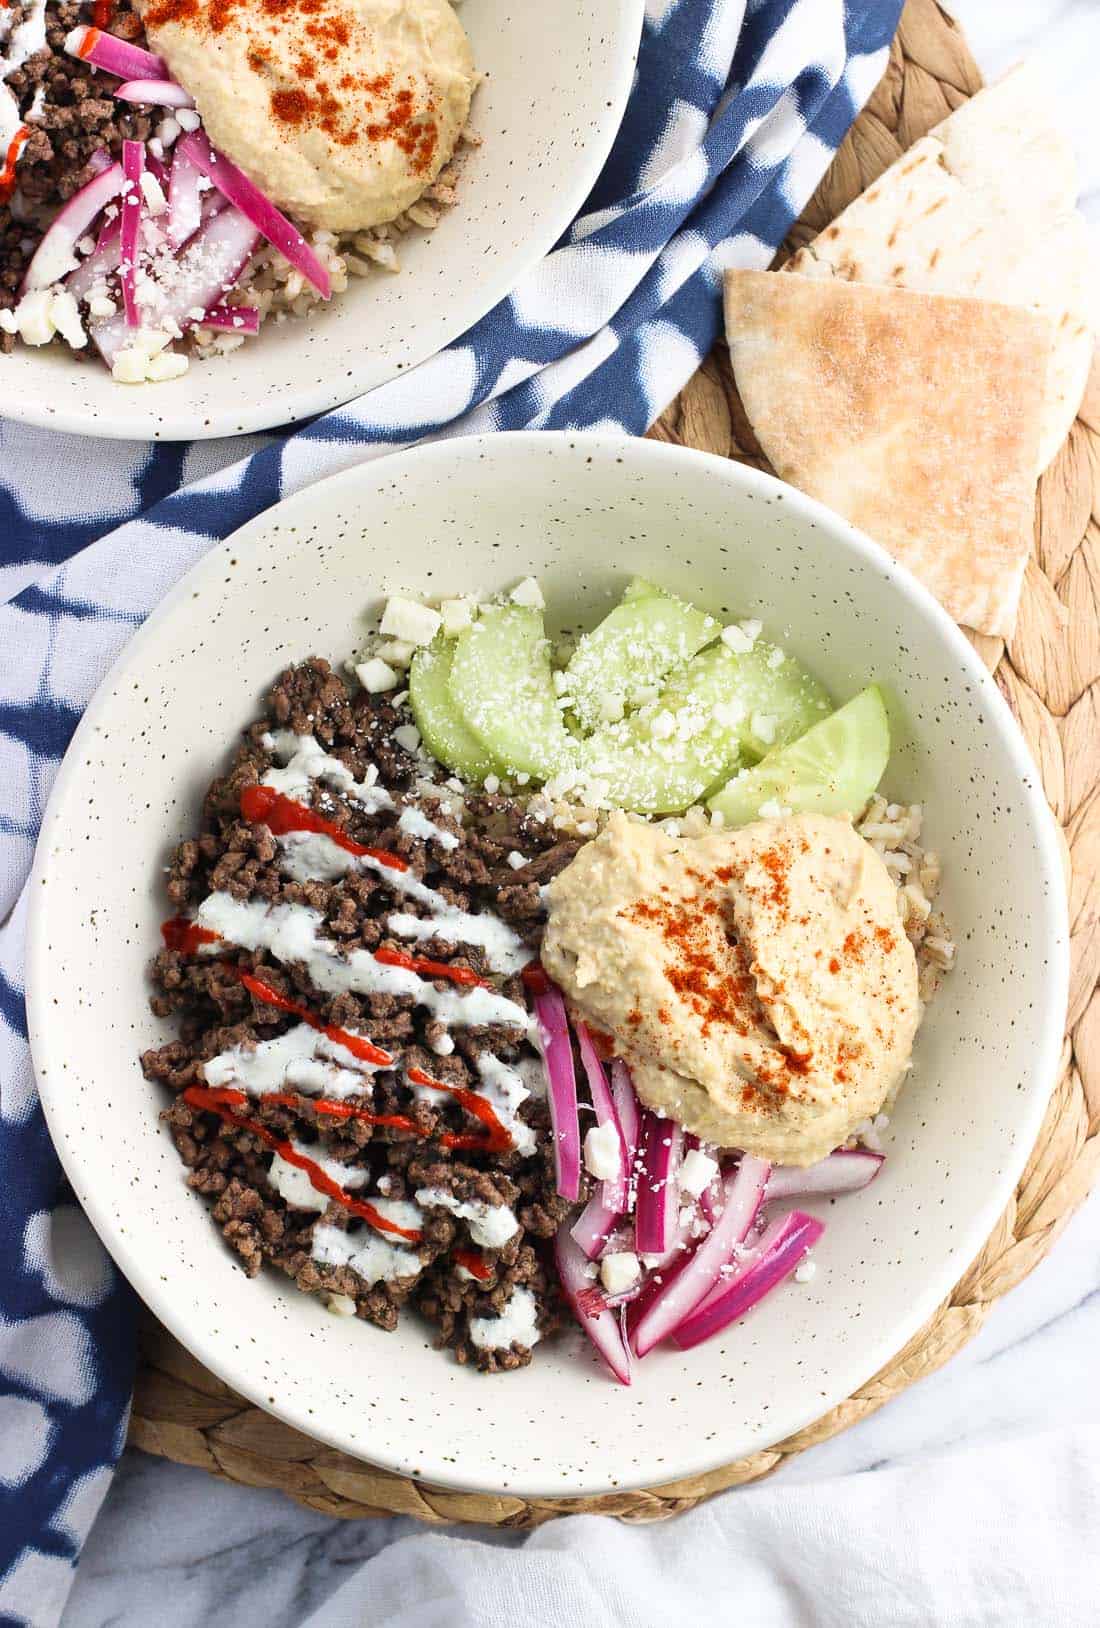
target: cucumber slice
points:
(617, 665)
(662, 758)
(778, 699)
(832, 769)
(501, 685)
(439, 721)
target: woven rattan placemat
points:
(1050, 675)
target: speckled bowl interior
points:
(582, 514)
(557, 75)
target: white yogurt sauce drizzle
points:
(517, 1323)
(303, 1059)
(491, 1225)
(303, 760)
(417, 824)
(366, 1252)
(308, 856)
(293, 1183)
(292, 934)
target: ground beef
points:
(229, 1163)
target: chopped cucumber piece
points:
(438, 719)
(776, 699)
(718, 709)
(662, 758)
(501, 685)
(832, 769)
(616, 666)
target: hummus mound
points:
(759, 982)
(341, 111)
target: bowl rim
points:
(848, 1374)
(268, 413)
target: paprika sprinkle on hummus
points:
(341, 111)
(758, 982)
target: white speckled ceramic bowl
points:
(557, 77)
(581, 513)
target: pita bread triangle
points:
(916, 416)
(985, 204)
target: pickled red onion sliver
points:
(743, 1193)
(846, 1171)
(561, 1090)
(231, 319)
(102, 261)
(133, 167)
(657, 1169)
(247, 197)
(113, 55)
(184, 200)
(154, 93)
(615, 1190)
(54, 257)
(207, 269)
(603, 1327)
(782, 1247)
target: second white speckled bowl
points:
(557, 75)
(582, 514)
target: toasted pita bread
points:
(916, 416)
(984, 205)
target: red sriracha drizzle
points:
(497, 1138)
(430, 969)
(224, 1102)
(357, 1044)
(534, 978)
(186, 936)
(473, 1263)
(282, 815)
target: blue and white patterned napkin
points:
(736, 111)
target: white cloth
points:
(972, 1539)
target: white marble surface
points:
(205, 1546)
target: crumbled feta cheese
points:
(776, 659)
(407, 736)
(456, 614)
(522, 778)
(717, 819)
(771, 810)
(187, 118)
(697, 1172)
(8, 324)
(65, 316)
(398, 652)
(85, 245)
(410, 621)
(529, 593)
(805, 1271)
(728, 714)
(734, 639)
(762, 725)
(611, 708)
(153, 193)
(517, 860)
(168, 364)
(663, 726)
(603, 1151)
(492, 784)
(33, 317)
(167, 131)
(376, 675)
(385, 1185)
(100, 306)
(620, 1272)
